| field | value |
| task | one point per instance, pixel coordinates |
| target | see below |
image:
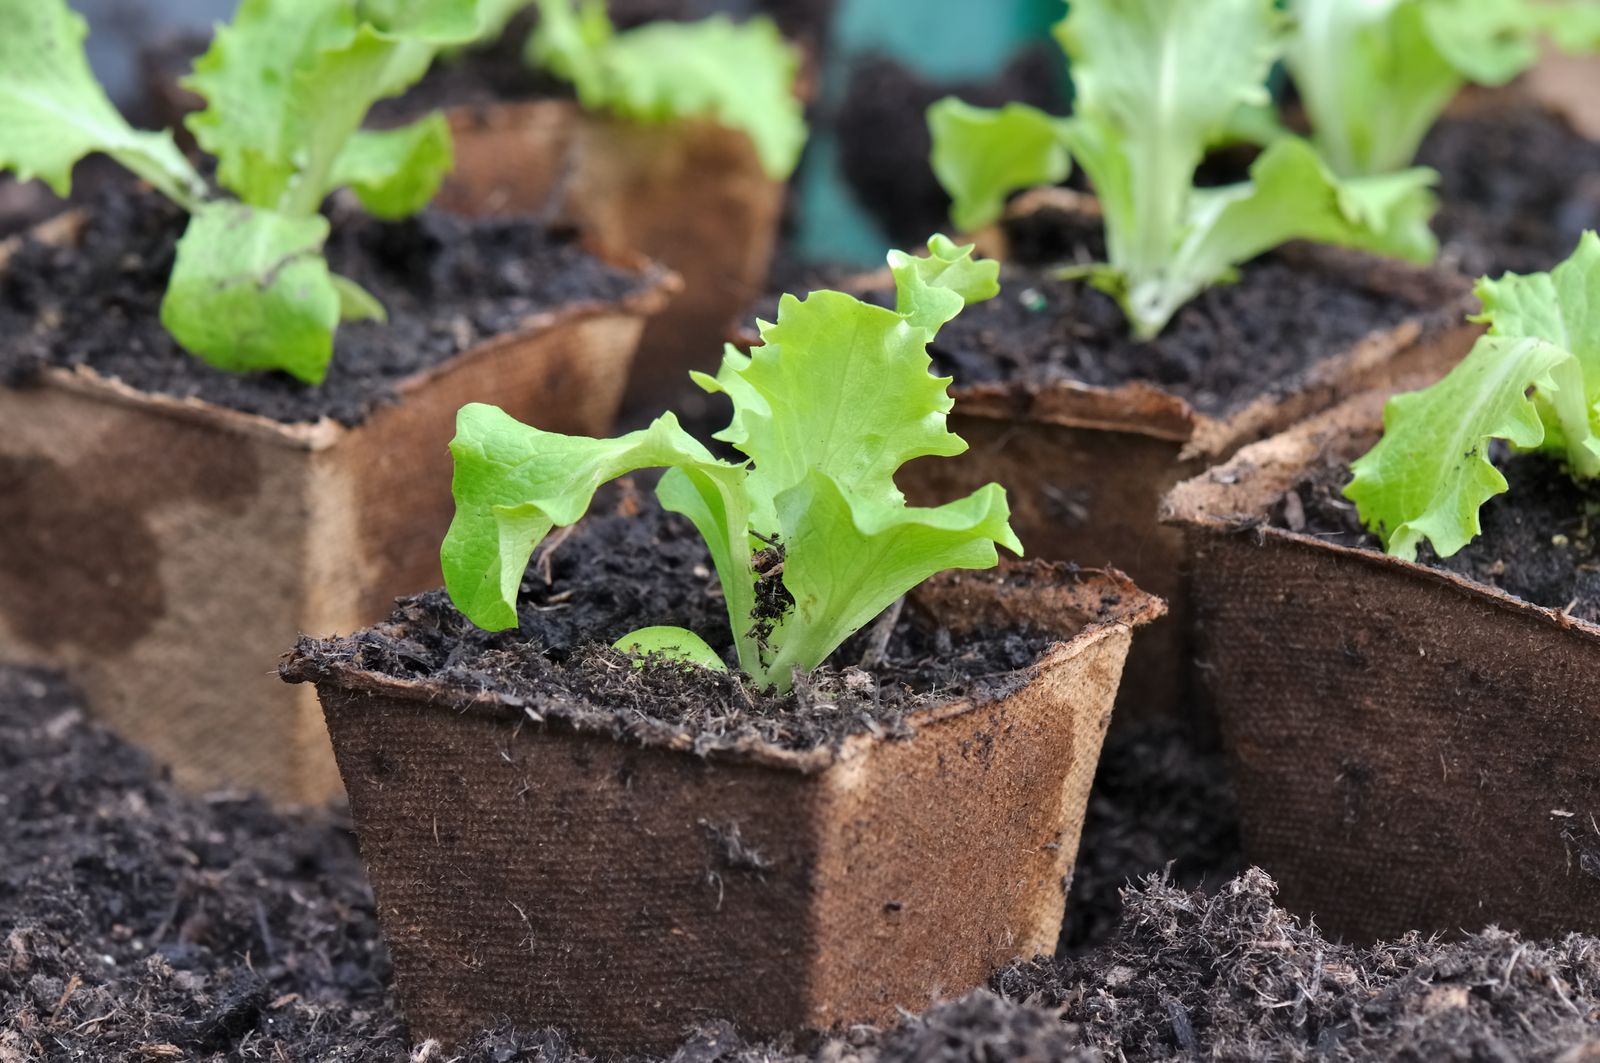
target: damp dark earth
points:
(139, 924)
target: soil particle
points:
(447, 283)
(1517, 186)
(1540, 541)
(139, 924)
(643, 567)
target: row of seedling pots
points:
(774, 741)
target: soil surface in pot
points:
(139, 924)
(1517, 187)
(641, 567)
(1540, 541)
(1230, 345)
(447, 284)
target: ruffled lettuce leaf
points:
(1533, 380)
(53, 112)
(982, 155)
(288, 84)
(1374, 75)
(740, 75)
(931, 289)
(1156, 84)
(833, 403)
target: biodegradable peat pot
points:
(691, 195)
(1085, 466)
(570, 863)
(1413, 749)
(163, 550)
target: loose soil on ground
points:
(137, 924)
(447, 284)
(1540, 541)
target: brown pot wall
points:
(558, 875)
(165, 552)
(1413, 750)
(692, 195)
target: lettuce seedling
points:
(1157, 83)
(1374, 75)
(1532, 380)
(810, 537)
(740, 75)
(287, 86)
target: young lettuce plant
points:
(287, 86)
(1374, 75)
(1157, 83)
(740, 75)
(834, 402)
(1532, 380)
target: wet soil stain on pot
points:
(58, 583)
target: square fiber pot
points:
(1413, 749)
(691, 195)
(165, 552)
(544, 869)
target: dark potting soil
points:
(1540, 541)
(447, 283)
(138, 924)
(642, 567)
(1517, 187)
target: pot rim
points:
(1133, 608)
(657, 286)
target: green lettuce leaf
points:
(827, 410)
(1157, 83)
(396, 172)
(288, 84)
(250, 291)
(1374, 75)
(53, 111)
(738, 74)
(676, 642)
(1533, 381)
(1291, 195)
(982, 155)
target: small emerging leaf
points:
(356, 303)
(981, 156)
(251, 291)
(674, 643)
(931, 290)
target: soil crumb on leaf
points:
(618, 573)
(1540, 541)
(447, 283)
(140, 924)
